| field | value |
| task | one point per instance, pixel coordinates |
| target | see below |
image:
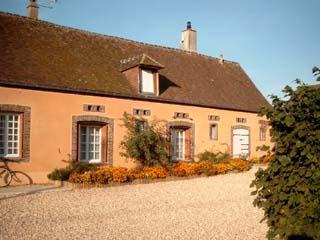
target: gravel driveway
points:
(218, 207)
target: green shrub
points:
(215, 157)
(146, 143)
(288, 190)
(63, 174)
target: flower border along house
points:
(63, 92)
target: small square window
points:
(214, 131)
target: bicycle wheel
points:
(20, 178)
(5, 177)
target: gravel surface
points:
(217, 207)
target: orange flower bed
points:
(184, 169)
(150, 173)
(105, 175)
(239, 164)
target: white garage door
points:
(240, 142)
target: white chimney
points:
(189, 39)
(221, 59)
(33, 9)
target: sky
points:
(274, 41)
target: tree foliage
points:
(288, 190)
(146, 143)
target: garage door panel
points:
(240, 142)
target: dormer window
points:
(147, 81)
(142, 71)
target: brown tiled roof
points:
(44, 55)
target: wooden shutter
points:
(78, 140)
(104, 143)
(170, 140)
(187, 144)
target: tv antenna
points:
(47, 4)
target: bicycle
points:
(7, 175)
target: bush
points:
(218, 157)
(288, 190)
(63, 174)
(146, 143)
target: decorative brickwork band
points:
(76, 120)
(25, 112)
(186, 125)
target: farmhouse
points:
(63, 92)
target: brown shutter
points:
(78, 141)
(104, 143)
(170, 142)
(188, 144)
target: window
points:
(141, 112)
(263, 134)
(9, 135)
(180, 115)
(241, 120)
(90, 144)
(93, 108)
(147, 81)
(92, 139)
(213, 118)
(179, 144)
(214, 132)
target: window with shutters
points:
(92, 139)
(180, 144)
(92, 142)
(147, 83)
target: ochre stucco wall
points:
(51, 125)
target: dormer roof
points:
(143, 60)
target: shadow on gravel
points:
(18, 193)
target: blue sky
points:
(274, 41)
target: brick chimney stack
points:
(189, 39)
(33, 9)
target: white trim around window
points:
(179, 144)
(147, 81)
(9, 135)
(90, 143)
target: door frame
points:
(249, 141)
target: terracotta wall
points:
(51, 125)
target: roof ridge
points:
(143, 57)
(116, 37)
